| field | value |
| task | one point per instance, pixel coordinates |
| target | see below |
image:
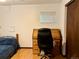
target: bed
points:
(8, 46)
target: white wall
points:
(65, 1)
(23, 19)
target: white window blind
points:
(47, 17)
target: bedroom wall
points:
(23, 19)
(3, 12)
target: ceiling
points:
(10, 2)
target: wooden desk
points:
(57, 38)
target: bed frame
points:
(17, 38)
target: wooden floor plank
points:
(28, 54)
(23, 54)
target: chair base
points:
(45, 56)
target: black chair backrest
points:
(45, 38)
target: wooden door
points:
(73, 30)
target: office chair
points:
(45, 41)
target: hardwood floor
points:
(23, 54)
(28, 54)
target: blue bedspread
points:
(8, 46)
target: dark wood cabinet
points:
(73, 29)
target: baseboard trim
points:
(26, 47)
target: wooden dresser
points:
(57, 39)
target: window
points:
(47, 16)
